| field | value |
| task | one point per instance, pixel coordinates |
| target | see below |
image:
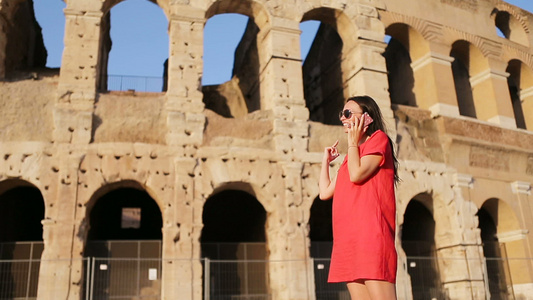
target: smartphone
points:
(367, 119)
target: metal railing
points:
(140, 278)
(135, 83)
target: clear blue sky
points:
(140, 38)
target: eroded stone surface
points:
(75, 144)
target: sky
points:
(139, 32)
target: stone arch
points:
(124, 222)
(242, 200)
(513, 27)
(234, 228)
(405, 45)
(325, 71)
(244, 88)
(106, 42)
(339, 21)
(22, 210)
(468, 62)
(108, 4)
(503, 216)
(131, 187)
(520, 83)
(418, 232)
(254, 10)
(503, 239)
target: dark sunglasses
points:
(346, 113)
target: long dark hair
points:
(370, 106)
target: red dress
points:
(364, 217)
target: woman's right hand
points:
(331, 153)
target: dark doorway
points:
(418, 242)
(21, 236)
(124, 245)
(494, 254)
(461, 77)
(233, 239)
(322, 69)
(321, 236)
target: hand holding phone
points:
(367, 119)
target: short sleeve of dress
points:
(377, 144)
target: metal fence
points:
(118, 278)
(135, 83)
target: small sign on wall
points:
(152, 274)
(131, 217)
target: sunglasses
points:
(347, 113)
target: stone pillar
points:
(434, 85)
(184, 105)
(521, 270)
(182, 269)
(62, 266)
(364, 65)
(491, 95)
(460, 257)
(78, 77)
(282, 92)
(290, 269)
(526, 96)
(282, 86)
(370, 78)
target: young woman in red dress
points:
(364, 204)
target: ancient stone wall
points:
(461, 153)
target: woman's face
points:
(349, 113)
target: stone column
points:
(78, 76)
(62, 266)
(282, 85)
(526, 96)
(282, 92)
(182, 269)
(520, 244)
(290, 269)
(460, 255)
(491, 95)
(184, 105)
(434, 85)
(364, 65)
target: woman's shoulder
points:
(379, 134)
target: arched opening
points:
(398, 59)
(461, 76)
(509, 26)
(133, 54)
(309, 29)
(503, 247)
(321, 236)
(49, 15)
(22, 40)
(124, 241)
(492, 249)
(418, 243)
(322, 69)
(21, 236)
(515, 69)
(230, 82)
(233, 239)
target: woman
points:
(364, 205)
